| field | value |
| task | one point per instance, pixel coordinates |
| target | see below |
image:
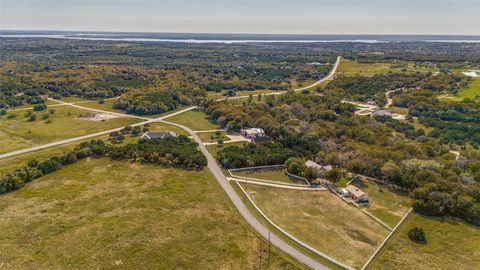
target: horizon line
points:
(237, 33)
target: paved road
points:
(57, 143)
(75, 105)
(214, 168)
(243, 210)
(328, 77)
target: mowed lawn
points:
(194, 119)
(18, 133)
(213, 136)
(102, 214)
(323, 221)
(472, 90)
(385, 204)
(451, 244)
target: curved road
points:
(238, 203)
(243, 210)
(219, 176)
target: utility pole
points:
(268, 255)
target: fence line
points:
(323, 255)
(256, 168)
(298, 177)
(268, 181)
(385, 241)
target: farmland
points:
(123, 211)
(323, 221)
(65, 122)
(451, 244)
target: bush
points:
(40, 107)
(417, 235)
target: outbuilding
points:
(158, 135)
(356, 194)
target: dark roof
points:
(158, 135)
(261, 138)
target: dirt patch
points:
(96, 117)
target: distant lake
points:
(235, 38)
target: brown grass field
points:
(102, 214)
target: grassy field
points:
(385, 204)
(213, 148)
(351, 68)
(472, 90)
(398, 110)
(166, 127)
(17, 133)
(271, 175)
(99, 214)
(322, 220)
(212, 136)
(194, 119)
(12, 163)
(106, 106)
(451, 244)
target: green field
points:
(99, 214)
(417, 125)
(385, 204)
(352, 68)
(451, 244)
(12, 163)
(323, 221)
(194, 119)
(277, 175)
(212, 136)
(106, 106)
(472, 90)
(18, 133)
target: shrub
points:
(417, 235)
(40, 107)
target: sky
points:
(460, 17)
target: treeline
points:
(324, 130)
(173, 152)
(156, 102)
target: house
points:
(382, 113)
(371, 102)
(158, 135)
(250, 133)
(356, 194)
(256, 135)
(261, 138)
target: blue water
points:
(236, 38)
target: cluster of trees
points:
(361, 88)
(254, 155)
(118, 137)
(452, 122)
(156, 102)
(176, 152)
(315, 127)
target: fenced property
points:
(271, 173)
